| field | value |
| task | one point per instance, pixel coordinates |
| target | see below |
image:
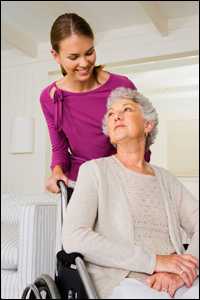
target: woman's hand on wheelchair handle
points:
(57, 174)
(184, 265)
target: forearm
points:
(60, 160)
(105, 252)
(57, 170)
(59, 140)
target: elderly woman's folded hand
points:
(165, 282)
(185, 265)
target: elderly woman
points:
(126, 215)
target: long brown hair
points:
(66, 25)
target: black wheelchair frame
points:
(72, 280)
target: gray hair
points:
(147, 108)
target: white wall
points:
(21, 87)
(174, 93)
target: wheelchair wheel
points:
(43, 287)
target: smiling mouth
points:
(83, 72)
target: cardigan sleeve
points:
(187, 208)
(79, 233)
(59, 142)
(188, 212)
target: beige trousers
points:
(130, 288)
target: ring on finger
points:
(181, 272)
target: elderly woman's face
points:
(125, 121)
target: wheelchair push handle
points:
(64, 197)
(62, 186)
(85, 277)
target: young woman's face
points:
(77, 56)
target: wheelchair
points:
(72, 280)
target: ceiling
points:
(172, 25)
(36, 17)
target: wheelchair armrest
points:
(85, 277)
(72, 266)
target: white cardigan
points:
(99, 225)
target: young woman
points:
(74, 105)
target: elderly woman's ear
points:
(148, 126)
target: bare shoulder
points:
(52, 92)
(60, 83)
(103, 75)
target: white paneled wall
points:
(21, 87)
